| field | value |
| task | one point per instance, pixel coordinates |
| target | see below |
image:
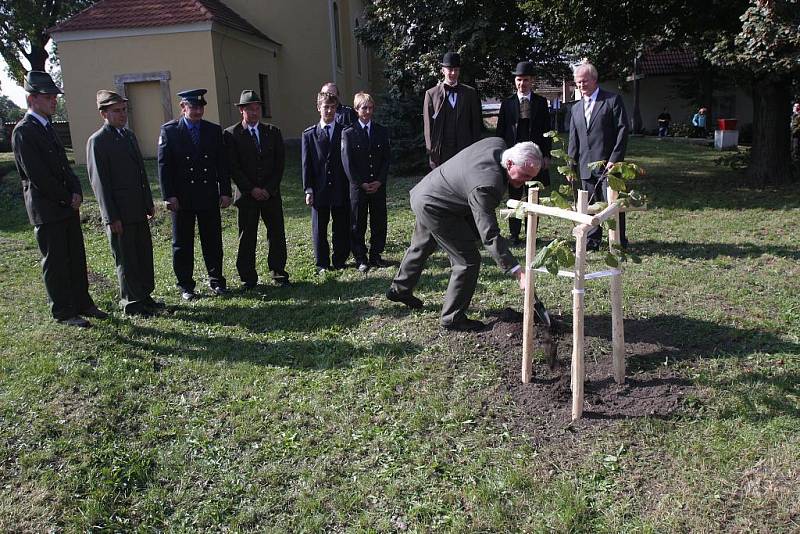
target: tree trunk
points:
(771, 160)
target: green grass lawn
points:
(323, 407)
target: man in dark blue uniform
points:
(345, 115)
(195, 184)
(325, 185)
(365, 157)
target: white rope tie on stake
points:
(578, 291)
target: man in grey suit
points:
(598, 130)
(53, 199)
(455, 206)
(451, 114)
(116, 171)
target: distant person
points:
(455, 208)
(699, 123)
(451, 114)
(256, 156)
(195, 184)
(598, 131)
(345, 115)
(326, 187)
(365, 157)
(119, 180)
(664, 118)
(53, 199)
(524, 116)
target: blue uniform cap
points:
(193, 96)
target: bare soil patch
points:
(649, 390)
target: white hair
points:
(587, 67)
(527, 153)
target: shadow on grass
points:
(297, 354)
(708, 251)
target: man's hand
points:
(309, 199)
(116, 227)
(172, 204)
(375, 186)
(224, 201)
(151, 212)
(520, 276)
(259, 193)
(76, 201)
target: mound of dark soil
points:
(649, 389)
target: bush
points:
(681, 129)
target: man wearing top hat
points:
(195, 185)
(451, 114)
(53, 198)
(118, 178)
(524, 117)
(256, 156)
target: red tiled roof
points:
(667, 62)
(111, 14)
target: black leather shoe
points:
(139, 311)
(363, 268)
(95, 313)
(219, 290)
(406, 298)
(380, 263)
(283, 282)
(188, 295)
(78, 321)
(249, 285)
(155, 304)
(465, 325)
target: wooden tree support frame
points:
(586, 222)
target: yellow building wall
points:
(91, 64)
(238, 65)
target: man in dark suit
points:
(598, 130)
(455, 206)
(256, 155)
(345, 115)
(325, 185)
(451, 114)
(53, 198)
(119, 181)
(365, 156)
(195, 185)
(524, 117)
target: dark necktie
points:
(194, 132)
(366, 133)
(255, 139)
(52, 133)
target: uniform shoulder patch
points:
(310, 128)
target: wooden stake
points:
(528, 327)
(578, 310)
(617, 325)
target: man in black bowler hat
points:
(256, 155)
(524, 117)
(451, 114)
(117, 174)
(195, 184)
(53, 198)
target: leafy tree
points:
(9, 111)
(23, 31)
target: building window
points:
(336, 35)
(263, 85)
(358, 52)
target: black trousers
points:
(271, 212)
(64, 267)
(597, 193)
(133, 255)
(340, 235)
(374, 207)
(209, 223)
